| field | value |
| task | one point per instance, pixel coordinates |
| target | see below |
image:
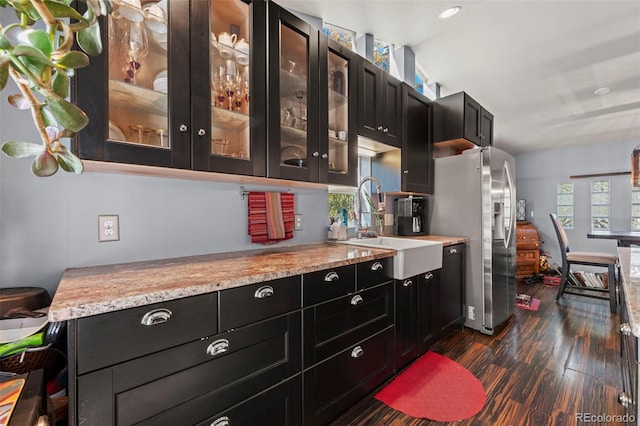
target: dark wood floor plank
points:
(539, 368)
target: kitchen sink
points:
(412, 257)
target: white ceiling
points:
(533, 64)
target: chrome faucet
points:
(375, 180)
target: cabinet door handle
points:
(407, 283)
(202, 132)
(218, 347)
(156, 316)
(385, 130)
(183, 128)
(222, 421)
(624, 399)
(428, 276)
(331, 276)
(325, 156)
(356, 300)
(264, 291)
(377, 266)
(357, 352)
(453, 251)
(406, 172)
(625, 329)
(316, 154)
(379, 127)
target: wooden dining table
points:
(625, 238)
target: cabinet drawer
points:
(328, 284)
(279, 406)
(245, 305)
(374, 272)
(338, 383)
(194, 381)
(115, 337)
(333, 326)
(526, 255)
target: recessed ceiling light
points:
(602, 91)
(450, 12)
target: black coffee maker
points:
(412, 216)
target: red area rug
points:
(436, 388)
(535, 304)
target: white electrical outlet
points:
(108, 228)
(388, 219)
(298, 222)
(471, 315)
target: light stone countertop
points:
(630, 266)
(96, 290)
(446, 241)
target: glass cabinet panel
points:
(138, 74)
(338, 87)
(230, 39)
(294, 101)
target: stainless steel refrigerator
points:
(474, 197)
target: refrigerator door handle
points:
(509, 204)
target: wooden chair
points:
(569, 258)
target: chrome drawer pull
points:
(356, 300)
(428, 276)
(331, 276)
(222, 421)
(264, 291)
(624, 399)
(453, 251)
(625, 329)
(218, 347)
(377, 266)
(157, 316)
(357, 352)
(407, 283)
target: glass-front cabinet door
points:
(127, 90)
(338, 113)
(228, 90)
(293, 107)
(175, 86)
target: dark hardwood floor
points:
(540, 368)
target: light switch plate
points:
(109, 228)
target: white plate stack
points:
(161, 82)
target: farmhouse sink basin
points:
(413, 257)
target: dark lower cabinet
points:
(335, 325)
(416, 303)
(278, 406)
(629, 360)
(336, 384)
(191, 382)
(452, 288)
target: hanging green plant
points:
(41, 63)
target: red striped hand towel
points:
(259, 218)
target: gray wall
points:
(50, 224)
(538, 173)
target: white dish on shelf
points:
(161, 84)
(242, 58)
(115, 132)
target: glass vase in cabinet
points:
(293, 151)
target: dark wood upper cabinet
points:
(379, 105)
(417, 153)
(460, 122)
(294, 80)
(179, 95)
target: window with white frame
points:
(564, 201)
(600, 204)
(635, 209)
